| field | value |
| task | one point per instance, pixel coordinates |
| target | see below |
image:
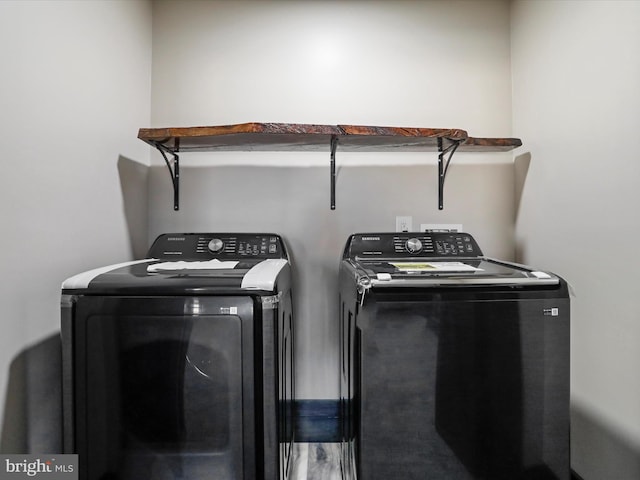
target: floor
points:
(315, 461)
(320, 461)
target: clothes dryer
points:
(453, 365)
(180, 366)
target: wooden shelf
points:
(472, 144)
(301, 137)
(308, 137)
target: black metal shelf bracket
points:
(174, 171)
(334, 146)
(443, 166)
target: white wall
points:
(576, 103)
(75, 87)
(425, 64)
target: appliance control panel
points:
(224, 246)
(407, 244)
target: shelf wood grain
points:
(473, 144)
(296, 136)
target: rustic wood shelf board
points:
(298, 137)
(243, 137)
(381, 139)
(277, 137)
(473, 144)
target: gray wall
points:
(576, 104)
(74, 89)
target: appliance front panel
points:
(460, 390)
(165, 387)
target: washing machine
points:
(453, 365)
(180, 365)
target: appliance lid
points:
(140, 277)
(418, 272)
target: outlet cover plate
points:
(404, 223)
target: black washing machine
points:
(453, 365)
(180, 366)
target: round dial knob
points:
(413, 245)
(215, 245)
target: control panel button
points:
(413, 245)
(215, 245)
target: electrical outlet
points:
(441, 227)
(404, 223)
